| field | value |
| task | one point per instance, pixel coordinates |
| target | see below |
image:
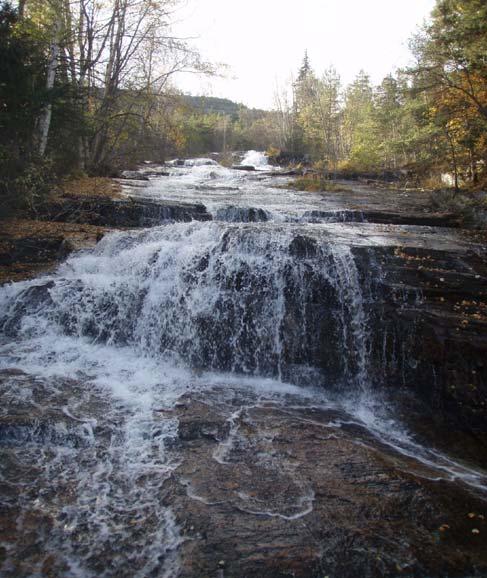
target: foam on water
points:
(372, 413)
(255, 159)
(212, 295)
(219, 187)
(115, 478)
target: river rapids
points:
(262, 308)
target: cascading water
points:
(249, 299)
(255, 159)
(117, 335)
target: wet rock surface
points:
(378, 205)
(29, 247)
(385, 216)
(121, 212)
(429, 332)
(258, 487)
(243, 167)
(274, 491)
(242, 215)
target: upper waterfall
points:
(255, 159)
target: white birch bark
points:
(46, 114)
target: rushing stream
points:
(264, 303)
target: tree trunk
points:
(44, 122)
(21, 9)
(454, 160)
(473, 167)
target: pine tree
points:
(305, 69)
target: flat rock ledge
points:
(275, 491)
(29, 247)
(125, 212)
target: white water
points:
(255, 159)
(218, 187)
(209, 295)
(148, 316)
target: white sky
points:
(263, 41)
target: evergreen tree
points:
(305, 69)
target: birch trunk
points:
(46, 114)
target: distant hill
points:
(212, 104)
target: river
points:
(176, 397)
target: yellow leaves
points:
(273, 152)
(473, 515)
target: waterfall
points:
(255, 299)
(255, 159)
(119, 333)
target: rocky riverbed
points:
(254, 382)
(258, 485)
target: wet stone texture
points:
(272, 491)
(428, 326)
(257, 487)
(126, 212)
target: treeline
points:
(85, 86)
(428, 121)
(204, 130)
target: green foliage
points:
(429, 120)
(305, 71)
(215, 105)
(451, 74)
(319, 116)
(23, 184)
(24, 178)
(21, 76)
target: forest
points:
(86, 88)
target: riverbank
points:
(35, 241)
(76, 217)
(465, 208)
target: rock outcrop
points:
(280, 491)
(123, 213)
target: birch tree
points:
(44, 121)
(117, 57)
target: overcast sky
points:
(263, 41)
